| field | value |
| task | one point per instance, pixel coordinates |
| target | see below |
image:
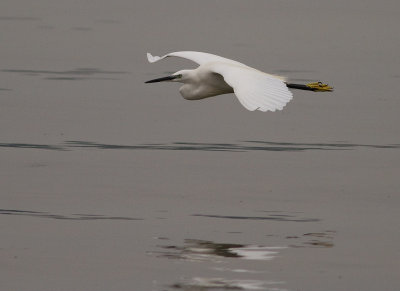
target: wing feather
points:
(197, 57)
(254, 89)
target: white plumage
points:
(216, 75)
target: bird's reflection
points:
(203, 250)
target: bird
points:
(217, 75)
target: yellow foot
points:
(319, 87)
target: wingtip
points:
(149, 57)
(152, 58)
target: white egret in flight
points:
(216, 75)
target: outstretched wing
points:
(254, 89)
(197, 57)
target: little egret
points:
(216, 75)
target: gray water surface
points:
(107, 183)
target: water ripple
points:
(40, 214)
(241, 146)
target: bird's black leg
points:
(316, 87)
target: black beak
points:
(168, 78)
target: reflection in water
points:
(237, 270)
(207, 251)
(314, 239)
(65, 217)
(327, 146)
(199, 284)
(244, 146)
(77, 74)
(275, 217)
(257, 252)
(218, 253)
(176, 146)
(32, 146)
(201, 250)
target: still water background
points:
(107, 183)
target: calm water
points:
(108, 183)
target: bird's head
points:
(180, 76)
